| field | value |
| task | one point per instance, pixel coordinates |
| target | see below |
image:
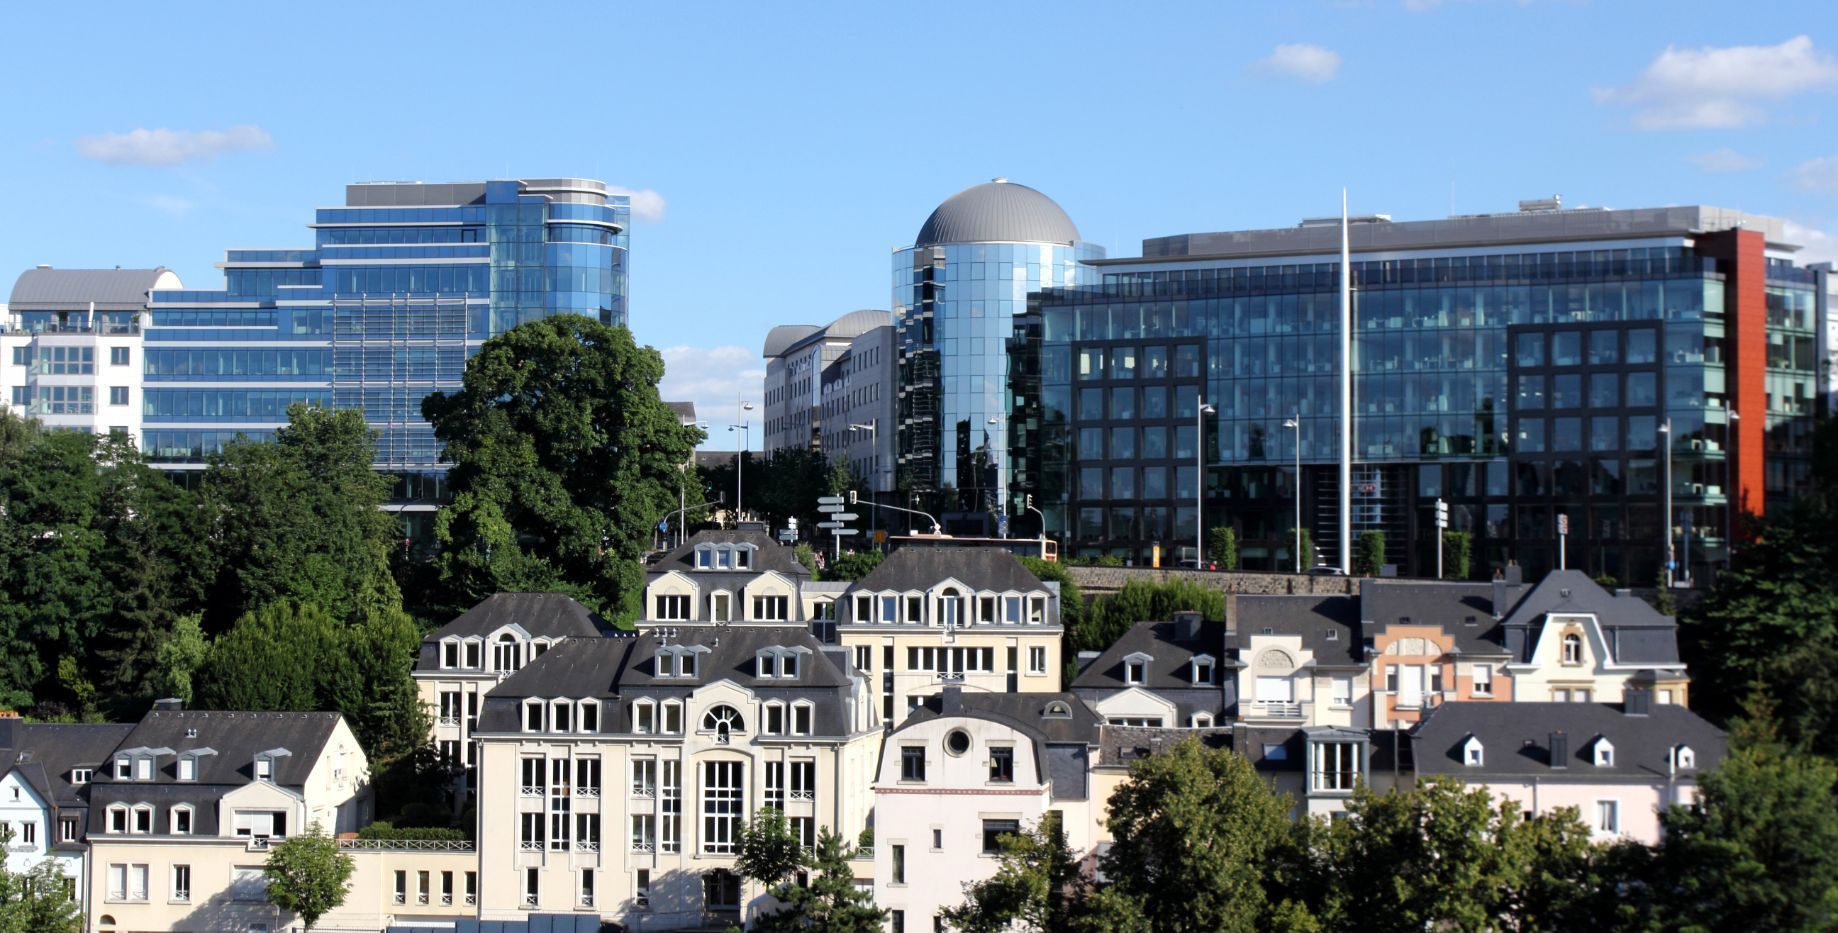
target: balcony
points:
(592, 792)
(1277, 710)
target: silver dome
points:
(999, 211)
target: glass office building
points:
(1521, 367)
(403, 283)
(957, 292)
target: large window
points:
(912, 763)
(723, 805)
(670, 807)
(994, 830)
(1336, 766)
(723, 721)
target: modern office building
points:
(70, 346)
(956, 294)
(1525, 367)
(857, 408)
(799, 357)
(403, 282)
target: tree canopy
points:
(564, 460)
(308, 875)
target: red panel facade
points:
(1745, 316)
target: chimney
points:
(9, 729)
(169, 704)
(1187, 625)
(1499, 595)
(1515, 575)
(1560, 750)
(951, 701)
(1636, 702)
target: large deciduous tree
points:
(1038, 886)
(564, 460)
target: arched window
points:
(950, 608)
(1573, 648)
(1057, 709)
(723, 721)
(505, 653)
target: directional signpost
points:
(832, 508)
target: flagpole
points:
(1346, 393)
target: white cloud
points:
(1724, 160)
(1815, 245)
(168, 204)
(1310, 64)
(1819, 175)
(715, 379)
(171, 147)
(1721, 88)
(647, 205)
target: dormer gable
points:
(1201, 668)
(186, 768)
(1136, 667)
(1602, 752)
(1473, 754)
(779, 662)
(263, 768)
(1683, 758)
(677, 661)
(725, 555)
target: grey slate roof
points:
(770, 555)
(997, 212)
(1464, 610)
(110, 289)
(543, 615)
(1636, 632)
(1120, 745)
(1170, 672)
(1516, 739)
(685, 411)
(622, 669)
(1328, 625)
(921, 567)
(44, 753)
(1063, 744)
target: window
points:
(912, 763)
(723, 805)
(505, 653)
(474, 654)
(1135, 670)
(1274, 751)
(644, 832)
(1337, 766)
(723, 721)
(181, 883)
(1483, 680)
(1275, 690)
(1202, 669)
(804, 779)
(641, 889)
(590, 716)
(587, 832)
(1037, 659)
(644, 777)
(720, 607)
(801, 713)
(670, 807)
(1472, 753)
(181, 820)
(28, 833)
(117, 819)
(143, 769)
(264, 769)
(1608, 816)
(67, 828)
(119, 356)
(532, 715)
(1573, 648)
(127, 882)
(261, 824)
(1560, 695)
(81, 776)
(994, 830)
(532, 886)
(1002, 765)
(1340, 691)
(673, 608)
(915, 609)
(775, 784)
(587, 887)
(532, 775)
(899, 865)
(1604, 754)
(644, 717)
(772, 608)
(774, 723)
(673, 717)
(143, 818)
(124, 769)
(561, 715)
(529, 832)
(899, 921)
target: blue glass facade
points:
(403, 284)
(1516, 384)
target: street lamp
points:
(740, 456)
(1666, 430)
(1295, 424)
(1201, 410)
(874, 438)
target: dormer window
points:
(1202, 668)
(187, 769)
(644, 717)
(864, 609)
(1472, 753)
(743, 557)
(775, 718)
(724, 559)
(1136, 669)
(264, 769)
(475, 654)
(672, 608)
(532, 715)
(181, 820)
(776, 663)
(950, 608)
(1057, 709)
(561, 716)
(676, 661)
(143, 767)
(1604, 753)
(772, 608)
(802, 713)
(81, 776)
(705, 558)
(506, 654)
(124, 768)
(449, 654)
(1684, 759)
(1573, 648)
(590, 716)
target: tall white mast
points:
(1346, 394)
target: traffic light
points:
(851, 497)
(1442, 514)
(1027, 500)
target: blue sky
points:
(782, 150)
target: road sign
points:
(831, 509)
(1563, 524)
(830, 500)
(844, 516)
(839, 532)
(1442, 514)
(829, 524)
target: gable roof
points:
(1171, 655)
(919, 567)
(1024, 711)
(543, 615)
(236, 737)
(1516, 740)
(1327, 625)
(1463, 610)
(768, 555)
(1636, 632)
(45, 753)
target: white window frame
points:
(191, 820)
(1202, 666)
(1607, 816)
(1483, 680)
(803, 717)
(1037, 659)
(1604, 753)
(644, 717)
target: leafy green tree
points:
(1759, 848)
(1224, 547)
(33, 901)
(564, 458)
(854, 565)
(807, 557)
(769, 851)
(1369, 553)
(284, 656)
(176, 656)
(1458, 554)
(308, 875)
(1038, 886)
(300, 519)
(1071, 598)
(829, 901)
(1308, 548)
(1107, 618)
(1195, 832)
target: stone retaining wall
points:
(1104, 580)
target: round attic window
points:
(957, 741)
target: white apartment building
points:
(71, 351)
